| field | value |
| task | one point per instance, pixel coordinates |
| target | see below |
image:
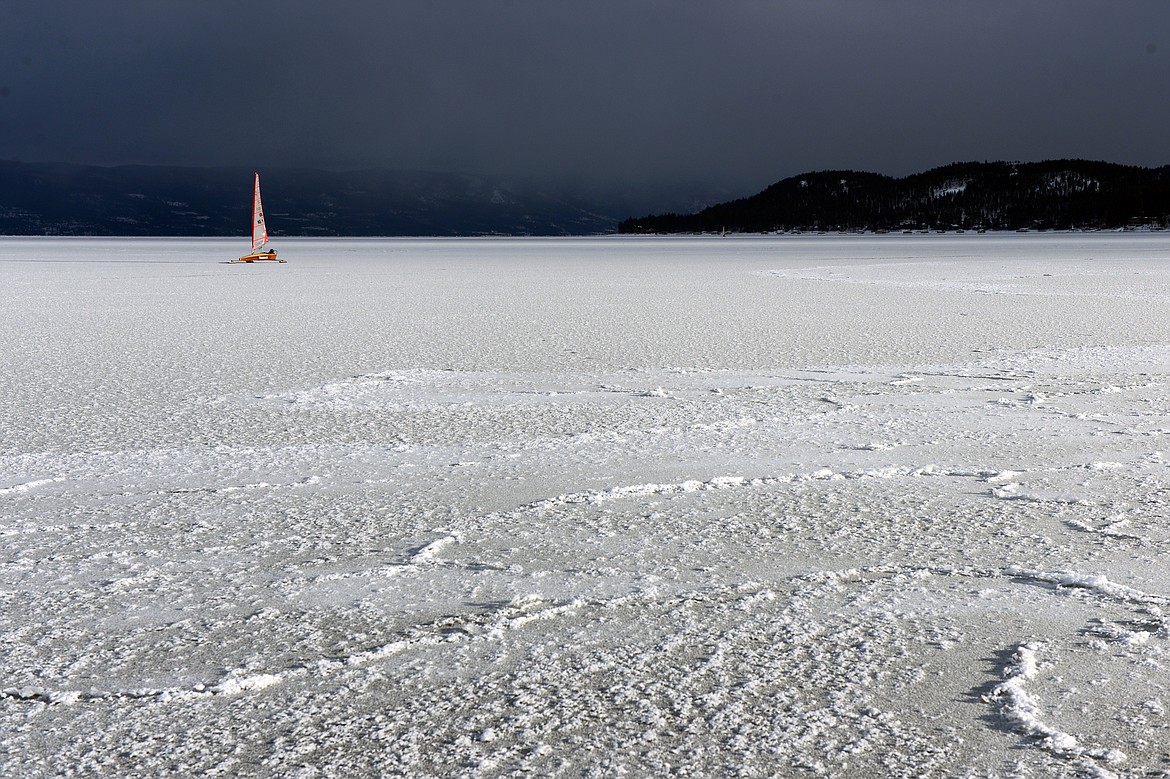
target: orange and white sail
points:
(259, 229)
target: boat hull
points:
(265, 256)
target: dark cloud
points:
(739, 91)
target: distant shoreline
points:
(968, 196)
(877, 235)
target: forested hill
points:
(1060, 194)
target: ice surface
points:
(832, 506)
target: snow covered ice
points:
(826, 506)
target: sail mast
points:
(259, 229)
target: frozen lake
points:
(839, 506)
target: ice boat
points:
(259, 231)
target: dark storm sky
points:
(741, 92)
